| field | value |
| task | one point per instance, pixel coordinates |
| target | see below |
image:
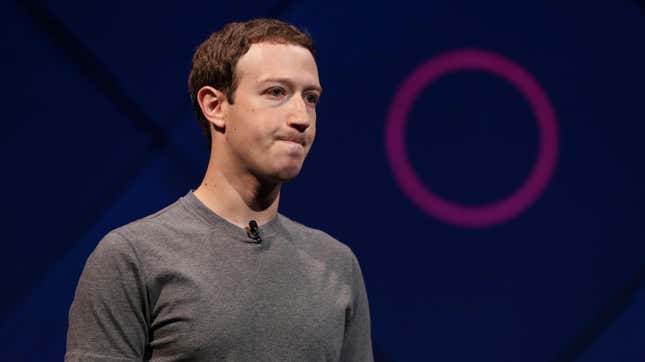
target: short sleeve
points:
(357, 342)
(109, 315)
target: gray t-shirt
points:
(184, 284)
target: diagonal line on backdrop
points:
(608, 314)
(106, 83)
(91, 66)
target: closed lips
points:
(297, 140)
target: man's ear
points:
(211, 102)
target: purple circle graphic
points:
(453, 213)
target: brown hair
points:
(215, 59)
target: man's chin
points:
(280, 173)
(286, 174)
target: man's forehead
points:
(267, 60)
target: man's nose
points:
(299, 116)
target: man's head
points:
(254, 87)
(215, 60)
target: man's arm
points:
(109, 315)
(357, 343)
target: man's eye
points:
(312, 98)
(276, 92)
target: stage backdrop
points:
(483, 159)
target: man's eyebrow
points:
(290, 82)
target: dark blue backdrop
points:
(98, 131)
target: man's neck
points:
(238, 198)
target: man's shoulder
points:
(316, 240)
(172, 219)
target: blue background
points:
(98, 130)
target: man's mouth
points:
(297, 140)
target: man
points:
(220, 274)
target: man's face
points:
(271, 124)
